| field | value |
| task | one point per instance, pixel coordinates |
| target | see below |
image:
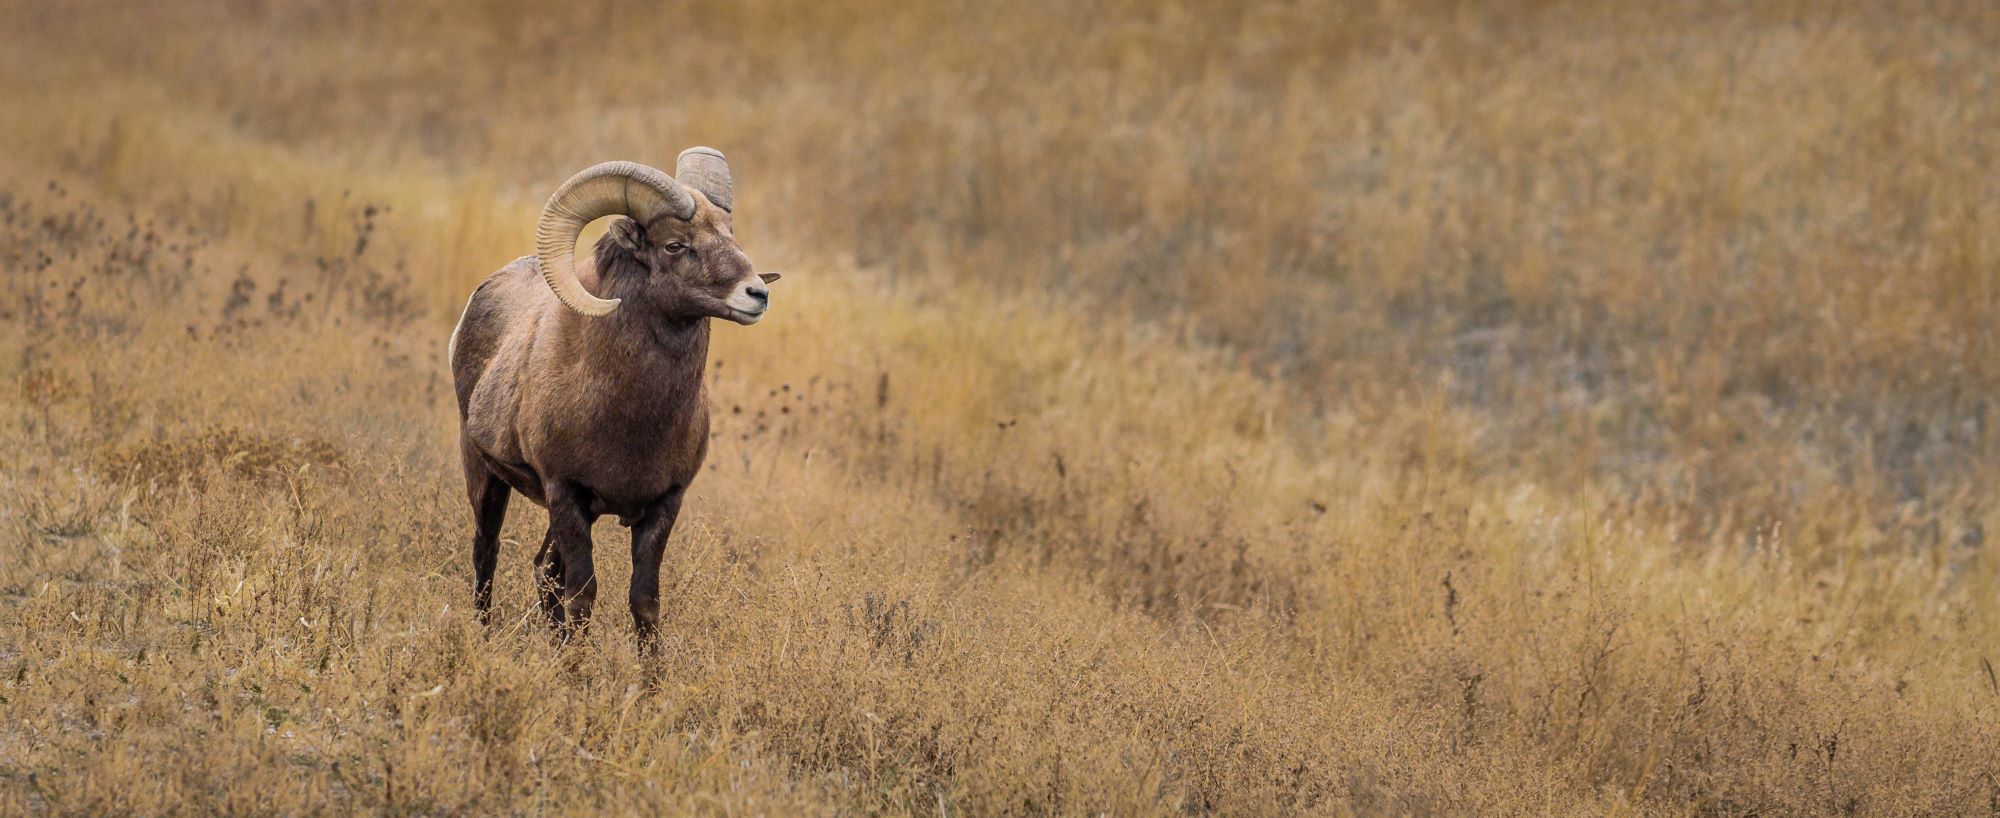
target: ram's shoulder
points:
(504, 297)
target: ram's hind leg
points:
(549, 579)
(489, 495)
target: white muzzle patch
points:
(744, 307)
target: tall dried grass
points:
(1336, 408)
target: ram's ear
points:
(770, 277)
(628, 234)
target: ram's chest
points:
(632, 446)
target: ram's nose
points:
(758, 291)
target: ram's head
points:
(676, 229)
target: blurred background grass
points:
(1535, 406)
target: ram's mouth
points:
(744, 317)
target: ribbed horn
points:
(705, 169)
(608, 189)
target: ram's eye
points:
(675, 248)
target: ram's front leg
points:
(569, 542)
(649, 541)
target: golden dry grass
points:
(1441, 408)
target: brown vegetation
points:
(1514, 408)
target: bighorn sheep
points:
(594, 405)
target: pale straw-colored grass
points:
(1525, 408)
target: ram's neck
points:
(635, 358)
(657, 361)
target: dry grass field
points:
(1430, 408)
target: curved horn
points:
(705, 169)
(608, 189)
